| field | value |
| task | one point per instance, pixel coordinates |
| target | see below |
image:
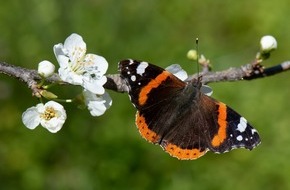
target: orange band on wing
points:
(220, 137)
(154, 83)
(183, 154)
(145, 132)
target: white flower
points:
(97, 104)
(177, 71)
(46, 68)
(50, 115)
(268, 43)
(79, 68)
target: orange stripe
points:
(154, 83)
(183, 154)
(145, 132)
(220, 137)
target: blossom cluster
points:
(77, 68)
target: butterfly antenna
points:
(197, 58)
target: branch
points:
(28, 76)
(116, 83)
(245, 72)
(270, 71)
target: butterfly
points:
(175, 114)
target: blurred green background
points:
(107, 152)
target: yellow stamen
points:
(49, 113)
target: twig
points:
(28, 76)
(270, 71)
(246, 72)
(115, 83)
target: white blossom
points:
(97, 104)
(268, 43)
(50, 115)
(79, 68)
(46, 68)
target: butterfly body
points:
(179, 117)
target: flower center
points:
(77, 63)
(49, 113)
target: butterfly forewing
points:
(143, 80)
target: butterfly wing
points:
(208, 125)
(143, 85)
(233, 131)
(151, 92)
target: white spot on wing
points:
(131, 61)
(133, 78)
(141, 68)
(254, 131)
(239, 138)
(242, 125)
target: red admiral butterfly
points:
(179, 117)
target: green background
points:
(107, 152)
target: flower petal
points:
(97, 105)
(98, 63)
(31, 118)
(54, 104)
(95, 86)
(61, 55)
(53, 125)
(66, 75)
(76, 47)
(108, 100)
(177, 71)
(96, 108)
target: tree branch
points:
(245, 72)
(116, 83)
(28, 76)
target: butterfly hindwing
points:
(238, 132)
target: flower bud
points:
(268, 44)
(192, 55)
(48, 95)
(46, 68)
